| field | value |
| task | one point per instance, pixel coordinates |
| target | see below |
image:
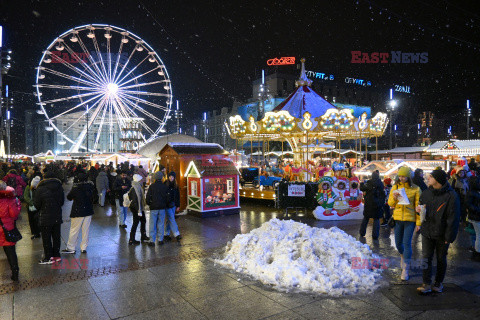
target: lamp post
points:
(87, 127)
(205, 127)
(469, 113)
(392, 105)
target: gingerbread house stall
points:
(177, 156)
(213, 187)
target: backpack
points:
(126, 200)
(12, 182)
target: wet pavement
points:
(180, 281)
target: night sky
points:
(214, 49)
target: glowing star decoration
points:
(307, 123)
(337, 119)
(379, 122)
(253, 125)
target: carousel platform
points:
(253, 193)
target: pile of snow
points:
(293, 256)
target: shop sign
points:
(296, 190)
(281, 61)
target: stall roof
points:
(211, 169)
(198, 148)
(400, 150)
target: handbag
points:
(13, 235)
(391, 222)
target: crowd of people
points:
(435, 206)
(41, 188)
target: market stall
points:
(389, 168)
(212, 187)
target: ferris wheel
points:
(98, 86)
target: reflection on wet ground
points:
(181, 281)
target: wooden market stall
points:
(213, 187)
(177, 156)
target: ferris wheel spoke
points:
(123, 83)
(116, 77)
(142, 84)
(141, 122)
(66, 76)
(99, 133)
(54, 86)
(109, 60)
(85, 66)
(127, 96)
(83, 115)
(118, 60)
(83, 134)
(77, 70)
(99, 55)
(77, 106)
(135, 106)
(70, 98)
(156, 94)
(92, 61)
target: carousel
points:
(309, 124)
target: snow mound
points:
(293, 256)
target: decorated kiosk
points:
(212, 186)
(305, 119)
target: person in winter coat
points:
(121, 186)
(102, 186)
(81, 213)
(10, 208)
(12, 179)
(28, 196)
(48, 200)
(473, 205)
(143, 173)
(405, 217)
(374, 195)
(459, 183)
(137, 206)
(387, 184)
(173, 206)
(439, 228)
(157, 197)
(112, 176)
(418, 179)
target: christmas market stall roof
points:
(151, 148)
(462, 148)
(215, 167)
(198, 148)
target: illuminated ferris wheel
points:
(98, 86)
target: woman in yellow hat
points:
(405, 216)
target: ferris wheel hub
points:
(112, 89)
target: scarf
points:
(139, 192)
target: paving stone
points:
(81, 307)
(241, 303)
(6, 309)
(123, 280)
(286, 315)
(121, 302)
(443, 315)
(288, 300)
(179, 311)
(343, 308)
(199, 285)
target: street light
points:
(469, 113)
(392, 105)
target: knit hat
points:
(35, 182)
(440, 176)
(137, 177)
(158, 176)
(404, 172)
(172, 174)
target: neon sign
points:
(281, 61)
(319, 75)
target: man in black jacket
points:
(121, 186)
(81, 213)
(439, 227)
(156, 198)
(374, 195)
(418, 179)
(49, 199)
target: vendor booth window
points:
(193, 188)
(230, 186)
